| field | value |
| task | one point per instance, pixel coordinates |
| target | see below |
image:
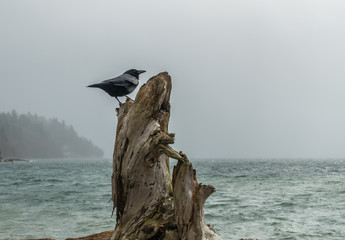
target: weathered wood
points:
(189, 200)
(142, 189)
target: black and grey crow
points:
(121, 85)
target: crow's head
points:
(134, 72)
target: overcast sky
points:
(251, 79)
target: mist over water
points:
(265, 78)
(265, 199)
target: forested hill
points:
(32, 136)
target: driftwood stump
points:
(149, 203)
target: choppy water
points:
(265, 199)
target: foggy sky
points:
(251, 79)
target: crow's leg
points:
(118, 101)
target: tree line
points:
(33, 136)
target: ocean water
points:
(259, 198)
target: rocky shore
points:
(97, 236)
(104, 236)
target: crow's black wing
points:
(125, 80)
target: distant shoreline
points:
(12, 160)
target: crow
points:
(121, 85)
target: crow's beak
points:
(141, 71)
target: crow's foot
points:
(129, 98)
